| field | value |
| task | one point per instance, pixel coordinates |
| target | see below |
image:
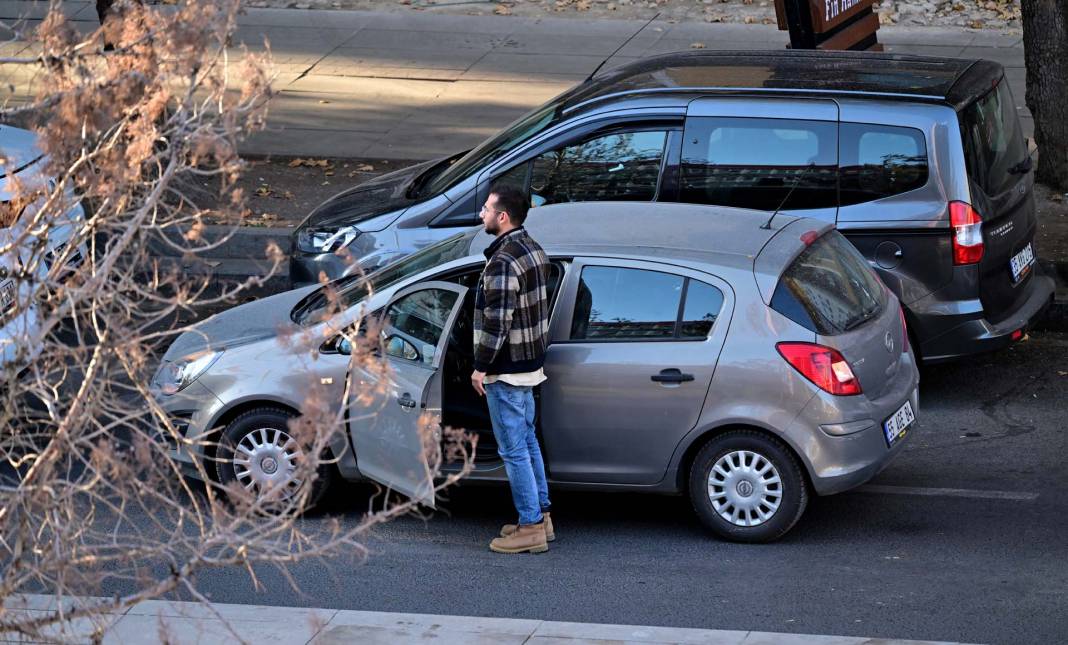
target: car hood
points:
(241, 325)
(18, 149)
(367, 200)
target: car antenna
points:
(618, 49)
(767, 225)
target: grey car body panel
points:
(590, 433)
(385, 432)
(740, 379)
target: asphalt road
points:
(985, 563)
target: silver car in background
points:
(744, 364)
(22, 160)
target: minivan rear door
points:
(1001, 186)
(393, 431)
(762, 153)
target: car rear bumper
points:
(841, 439)
(949, 335)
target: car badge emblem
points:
(888, 342)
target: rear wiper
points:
(1023, 167)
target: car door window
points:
(703, 303)
(623, 166)
(879, 161)
(754, 163)
(615, 303)
(415, 323)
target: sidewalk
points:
(420, 85)
(186, 623)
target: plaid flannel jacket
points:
(512, 306)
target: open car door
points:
(386, 432)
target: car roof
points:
(715, 235)
(946, 80)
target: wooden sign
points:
(829, 24)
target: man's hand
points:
(477, 379)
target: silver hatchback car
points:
(747, 365)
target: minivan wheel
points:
(257, 451)
(747, 487)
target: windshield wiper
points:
(416, 187)
(1023, 167)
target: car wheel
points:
(257, 451)
(747, 487)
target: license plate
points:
(1021, 263)
(7, 296)
(897, 426)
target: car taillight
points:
(967, 233)
(904, 332)
(823, 366)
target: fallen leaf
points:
(749, 20)
(287, 195)
(1059, 372)
(323, 101)
(697, 45)
(976, 24)
(269, 217)
(502, 10)
(364, 167)
(263, 191)
(296, 162)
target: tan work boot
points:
(508, 529)
(527, 538)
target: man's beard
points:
(491, 228)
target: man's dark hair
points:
(512, 201)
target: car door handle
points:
(671, 375)
(406, 401)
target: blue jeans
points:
(511, 410)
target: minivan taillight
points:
(823, 366)
(967, 233)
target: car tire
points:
(747, 486)
(269, 428)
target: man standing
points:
(511, 333)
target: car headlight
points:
(311, 240)
(175, 376)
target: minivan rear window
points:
(829, 288)
(993, 142)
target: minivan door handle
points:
(671, 375)
(406, 401)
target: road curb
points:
(183, 622)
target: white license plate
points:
(898, 424)
(7, 296)
(1021, 263)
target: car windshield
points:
(993, 142)
(525, 128)
(351, 290)
(829, 288)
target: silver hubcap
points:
(744, 488)
(265, 459)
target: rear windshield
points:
(829, 288)
(994, 146)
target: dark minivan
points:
(919, 161)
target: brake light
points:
(967, 233)
(904, 332)
(823, 366)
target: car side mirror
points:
(537, 200)
(401, 348)
(344, 346)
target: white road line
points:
(948, 492)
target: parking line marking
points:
(948, 492)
